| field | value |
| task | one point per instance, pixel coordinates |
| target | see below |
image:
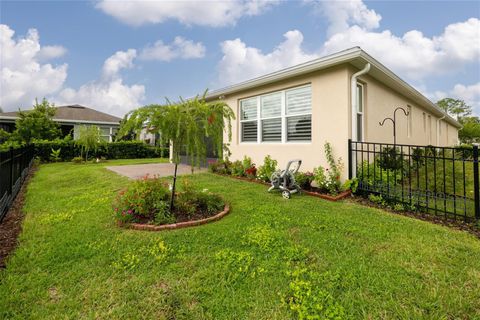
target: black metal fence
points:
(439, 180)
(14, 166)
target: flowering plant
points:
(141, 199)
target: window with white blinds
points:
(283, 116)
(248, 118)
(271, 116)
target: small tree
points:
(88, 139)
(36, 124)
(186, 125)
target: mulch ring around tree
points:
(11, 225)
(471, 228)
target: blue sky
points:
(116, 56)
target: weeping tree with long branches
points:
(186, 125)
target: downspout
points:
(353, 103)
(438, 129)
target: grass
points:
(269, 259)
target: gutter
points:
(354, 98)
(354, 107)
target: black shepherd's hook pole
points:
(394, 122)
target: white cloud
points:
(468, 93)
(23, 76)
(51, 52)
(109, 93)
(342, 14)
(202, 13)
(179, 48)
(240, 62)
(120, 60)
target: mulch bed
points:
(311, 192)
(441, 220)
(11, 225)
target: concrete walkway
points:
(138, 171)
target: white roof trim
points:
(326, 62)
(68, 121)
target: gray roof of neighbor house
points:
(74, 114)
(354, 56)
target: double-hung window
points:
(248, 120)
(360, 102)
(282, 116)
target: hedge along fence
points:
(111, 150)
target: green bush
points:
(304, 179)
(141, 199)
(112, 150)
(267, 169)
(328, 180)
(191, 201)
(221, 166)
(237, 169)
(148, 200)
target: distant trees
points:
(455, 107)
(35, 124)
(470, 131)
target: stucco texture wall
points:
(330, 112)
(419, 128)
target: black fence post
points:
(10, 187)
(476, 191)
(350, 169)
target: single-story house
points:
(70, 118)
(291, 113)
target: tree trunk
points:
(173, 188)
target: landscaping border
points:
(338, 197)
(173, 226)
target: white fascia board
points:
(418, 96)
(67, 121)
(86, 122)
(310, 66)
(330, 61)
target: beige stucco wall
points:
(330, 112)
(381, 101)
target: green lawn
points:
(353, 261)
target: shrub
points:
(142, 199)
(267, 169)
(148, 200)
(251, 172)
(390, 158)
(221, 167)
(304, 179)
(191, 201)
(112, 150)
(328, 180)
(55, 155)
(237, 169)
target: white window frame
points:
(283, 115)
(362, 113)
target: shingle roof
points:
(76, 113)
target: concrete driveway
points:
(138, 171)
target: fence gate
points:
(439, 180)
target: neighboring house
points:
(291, 113)
(148, 137)
(70, 118)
